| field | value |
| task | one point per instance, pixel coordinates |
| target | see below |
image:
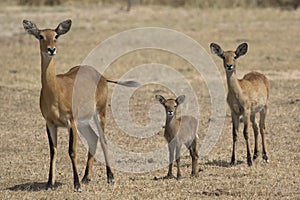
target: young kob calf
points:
(179, 131)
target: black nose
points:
(170, 112)
(51, 51)
(229, 66)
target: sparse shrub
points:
(40, 2)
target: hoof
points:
(195, 174)
(110, 178)
(232, 163)
(169, 176)
(77, 188)
(265, 158)
(110, 175)
(249, 162)
(178, 177)
(49, 186)
(255, 156)
(85, 180)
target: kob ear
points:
(63, 27)
(217, 50)
(241, 50)
(31, 28)
(180, 99)
(161, 99)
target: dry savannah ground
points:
(274, 49)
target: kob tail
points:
(125, 83)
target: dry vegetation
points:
(273, 37)
(290, 4)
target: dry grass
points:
(290, 4)
(273, 36)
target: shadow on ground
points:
(222, 163)
(32, 186)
